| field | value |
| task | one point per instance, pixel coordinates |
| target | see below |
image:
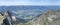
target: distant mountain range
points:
(27, 12)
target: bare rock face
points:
(51, 17)
(1, 19)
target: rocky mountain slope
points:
(51, 17)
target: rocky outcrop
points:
(51, 17)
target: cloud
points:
(29, 2)
(50, 2)
(18, 2)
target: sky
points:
(19, 2)
(29, 2)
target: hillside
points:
(51, 17)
